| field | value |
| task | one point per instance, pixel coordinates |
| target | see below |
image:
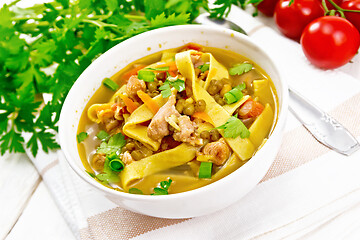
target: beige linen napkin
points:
(309, 192)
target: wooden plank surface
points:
(18, 180)
(41, 219)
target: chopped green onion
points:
(81, 136)
(147, 76)
(234, 94)
(205, 170)
(230, 98)
(163, 189)
(102, 135)
(165, 184)
(160, 191)
(110, 84)
(204, 67)
(135, 191)
(116, 165)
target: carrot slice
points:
(133, 71)
(172, 66)
(203, 116)
(130, 104)
(148, 101)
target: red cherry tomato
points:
(353, 17)
(291, 20)
(267, 7)
(330, 42)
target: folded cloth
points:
(309, 192)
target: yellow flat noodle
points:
(133, 129)
(93, 109)
(262, 91)
(243, 148)
(230, 108)
(156, 163)
(262, 125)
(168, 56)
(216, 69)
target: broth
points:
(153, 151)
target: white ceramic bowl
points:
(204, 200)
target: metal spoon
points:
(323, 127)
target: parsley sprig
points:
(62, 38)
(178, 84)
(234, 127)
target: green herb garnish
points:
(178, 84)
(116, 165)
(81, 136)
(91, 174)
(234, 94)
(114, 145)
(158, 69)
(65, 38)
(146, 75)
(102, 135)
(234, 127)
(205, 67)
(205, 170)
(108, 175)
(135, 191)
(241, 68)
(163, 189)
(110, 84)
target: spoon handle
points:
(323, 127)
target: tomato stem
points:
(337, 7)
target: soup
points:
(176, 120)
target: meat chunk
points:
(133, 85)
(127, 158)
(219, 149)
(187, 130)
(158, 127)
(97, 162)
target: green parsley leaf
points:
(241, 68)
(81, 136)
(147, 76)
(102, 135)
(110, 84)
(135, 191)
(234, 127)
(165, 90)
(178, 84)
(205, 67)
(114, 145)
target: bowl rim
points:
(277, 130)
